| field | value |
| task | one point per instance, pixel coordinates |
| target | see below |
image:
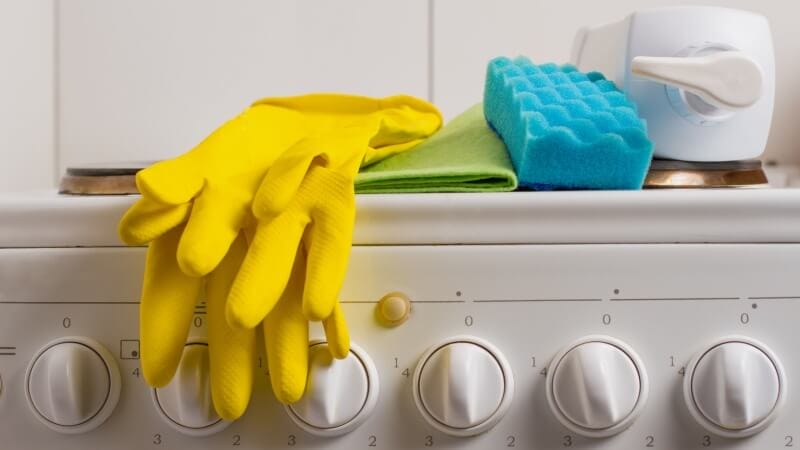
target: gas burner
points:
(102, 179)
(671, 174)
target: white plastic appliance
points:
(548, 320)
(702, 77)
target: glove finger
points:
(146, 220)
(284, 178)
(216, 219)
(247, 136)
(168, 299)
(328, 241)
(231, 351)
(286, 339)
(171, 182)
(265, 271)
(336, 333)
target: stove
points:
(662, 318)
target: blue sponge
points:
(565, 129)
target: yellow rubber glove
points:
(286, 337)
(311, 185)
(231, 351)
(203, 196)
(308, 197)
(166, 312)
(195, 206)
(214, 183)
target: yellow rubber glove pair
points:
(264, 210)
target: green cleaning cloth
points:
(464, 156)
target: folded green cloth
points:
(464, 156)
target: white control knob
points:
(186, 402)
(73, 384)
(596, 386)
(340, 393)
(735, 387)
(463, 386)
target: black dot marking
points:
(134, 353)
(616, 291)
(754, 306)
(458, 293)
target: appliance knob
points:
(735, 387)
(722, 77)
(72, 385)
(596, 386)
(340, 393)
(185, 403)
(463, 386)
(705, 84)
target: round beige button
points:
(393, 309)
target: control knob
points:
(596, 386)
(72, 385)
(185, 403)
(463, 386)
(735, 387)
(340, 393)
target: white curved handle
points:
(726, 79)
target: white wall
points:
(27, 157)
(149, 79)
(109, 80)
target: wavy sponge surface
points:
(566, 129)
